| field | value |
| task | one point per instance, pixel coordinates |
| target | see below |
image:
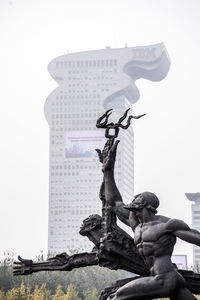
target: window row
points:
(75, 122)
(69, 115)
(65, 174)
(82, 128)
(73, 207)
(86, 63)
(86, 96)
(59, 103)
(75, 167)
(86, 74)
(72, 212)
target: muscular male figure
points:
(154, 237)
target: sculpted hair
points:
(152, 201)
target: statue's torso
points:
(153, 242)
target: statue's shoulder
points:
(162, 219)
(176, 224)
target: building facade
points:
(195, 198)
(88, 84)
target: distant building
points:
(180, 261)
(195, 197)
(90, 83)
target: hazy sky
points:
(167, 144)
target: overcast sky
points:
(167, 144)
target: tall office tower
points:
(88, 84)
(195, 198)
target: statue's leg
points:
(183, 294)
(149, 287)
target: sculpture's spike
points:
(129, 121)
(137, 117)
(124, 116)
(105, 115)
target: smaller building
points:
(195, 198)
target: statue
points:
(148, 254)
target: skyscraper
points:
(195, 198)
(88, 84)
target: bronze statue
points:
(154, 237)
(148, 254)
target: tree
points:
(41, 293)
(2, 296)
(90, 294)
(72, 294)
(28, 293)
(13, 294)
(59, 295)
(22, 291)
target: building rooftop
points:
(193, 196)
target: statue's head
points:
(147, 199)
(91, 223)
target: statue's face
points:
(138, 203)
(89, 224)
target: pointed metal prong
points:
(124, 116)
(137, 117)
(106, 116)
(129, 121)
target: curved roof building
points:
(88, 84)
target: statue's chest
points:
(149, 232)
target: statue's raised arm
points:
(109, 193)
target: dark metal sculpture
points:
(114, 126)
(148, 254)
(117, 252)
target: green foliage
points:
(82, 279)
(22, 291)
(2, 297)
(80, 284)
(90, 294)
(41, 293)
(59, 295)
(50, 285)
(19, 293)
(72, 294)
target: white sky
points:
(167, 144)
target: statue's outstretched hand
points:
(108, 155)
(22, 267)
